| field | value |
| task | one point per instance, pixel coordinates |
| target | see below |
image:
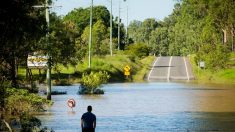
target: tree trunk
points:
(2, 92)
(233, 44)
(224, 36)
(13, 70)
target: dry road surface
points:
(171, 68)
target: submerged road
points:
(171, 68)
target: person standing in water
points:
(88, 121)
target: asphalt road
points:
(171, 68)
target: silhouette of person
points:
(88, 121)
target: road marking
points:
(169, 70)
(152, 68)
(186, 68)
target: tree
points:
(21, 26)
(99, 47)
(159, 41)
(80, 17)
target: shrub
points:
(138, 50)
(20, 101)
(90, 82)
(215, 56)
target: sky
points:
(137, 9)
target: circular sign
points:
(71, 103)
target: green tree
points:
(159, 41)
(21, 27)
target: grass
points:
(142, 74)
(114, 65)
(225, 76)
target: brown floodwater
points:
(147, 107)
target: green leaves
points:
(90, 82)
(215, 56)
(20, 101)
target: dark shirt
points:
(88, 119)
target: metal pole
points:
(126, 23)
(90, 38)
(48, 54)
(127, 27)
(119, 28)
(48, 75)
(111, 29)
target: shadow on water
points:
(147, 107)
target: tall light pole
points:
(111, 28)
(119, 10)
(90, 38)
(48, 76)
(119, 24)
(127, 24)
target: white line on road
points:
(169, 69)
(152, 68)
(186, 68)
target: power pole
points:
(111, 29)
(127, 40)
(90, 38)
(119, 26)
(48, 76)
(126, 23)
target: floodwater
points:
(147, 107)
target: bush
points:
(138, 50)
(20, 101)
(215, 56)
(91, 82)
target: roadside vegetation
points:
(198, 28)
(222, 76)
(203, 28)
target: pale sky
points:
(137, 9)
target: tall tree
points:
(21, 26)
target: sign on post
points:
(38, 62)
(127, 70)
(202, 64)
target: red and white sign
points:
(71, 103)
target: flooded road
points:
(147, 107)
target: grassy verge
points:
(114, 65)
(226, 76)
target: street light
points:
(48, 76)
(119, 24)
(127, 23)
(90, 38)
(111, 28)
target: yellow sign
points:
(127, 70)
(127, 73)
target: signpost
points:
(39, 62)
(202, 64)
(127, 71)
(71, 103)
(48, 76)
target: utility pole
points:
(48, 76)
(111, 28)
(127, 40)
(90, 38)
(119, 8)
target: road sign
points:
(127, 70)
(39, 61)
(127, 73)
(202, 64)
(71, 103)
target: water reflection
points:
(147, 107)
